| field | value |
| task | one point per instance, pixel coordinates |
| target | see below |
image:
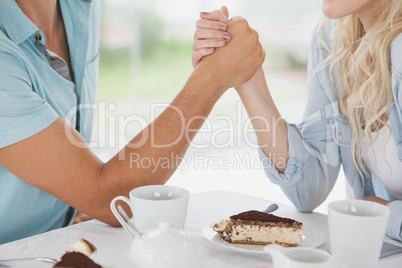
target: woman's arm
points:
(304, 161)
(377, 200)
(269, 126)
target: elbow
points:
(113, 223)
(102, 211)
(107, 216)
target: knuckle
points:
(198, 23)
(260, 49)
(243, 22)
(256, 35)
(235, 18)
(262, 56)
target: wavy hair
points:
(363, 61)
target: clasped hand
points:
(233, 49)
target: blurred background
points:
(146, 48)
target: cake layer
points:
(257, 234)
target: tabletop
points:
(203, 209)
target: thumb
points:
(225, 11)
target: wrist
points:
(256, 83)
(245, 89)
(213, 85)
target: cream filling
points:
(82, 247)
(266, 234)
(220, 226)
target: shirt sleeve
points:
(314, 159)
(23, 112)
(394, 228)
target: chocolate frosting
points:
(91, 247)
(76, 260)
(254, 215)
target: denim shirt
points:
(321, 143)
(33, 94)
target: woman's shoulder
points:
(396, 55)
(323, 33)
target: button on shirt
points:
(36, 89)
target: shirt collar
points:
(16, 24)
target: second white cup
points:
(153, 204)
(356, 230)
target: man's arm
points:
(49, 161)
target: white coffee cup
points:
(153, 204)
(356, 230)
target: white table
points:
(204, 208)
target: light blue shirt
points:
(321, 143)
(34, 92)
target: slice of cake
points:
(259, 228)
(77, 256)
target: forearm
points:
(269, 126)
(394, 228)
(377, 200)
(58, 161)
(155, 153)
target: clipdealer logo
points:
(222, 132)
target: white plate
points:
(312, 237)
(34, 264)
(37, 264)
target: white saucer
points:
(312, 237)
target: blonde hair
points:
(363, 61)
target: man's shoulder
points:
(9, 51)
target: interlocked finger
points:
(209, 24)
(210, 34)
(208, 43)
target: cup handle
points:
(118, 216)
